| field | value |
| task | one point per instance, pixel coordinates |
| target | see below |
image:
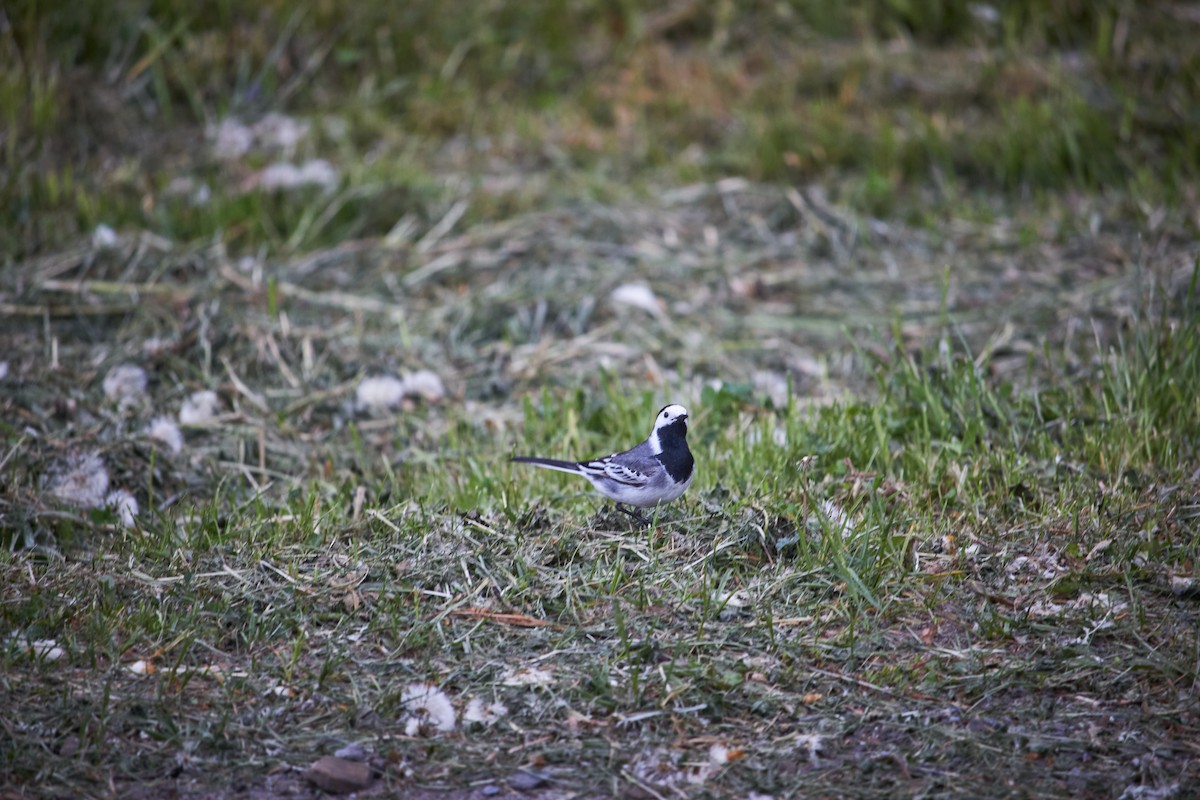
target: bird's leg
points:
(633, 514)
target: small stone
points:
(69, 746)
(527, 780)
(1184, 586)
(339, 775)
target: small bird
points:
(657, 471)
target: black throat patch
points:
(675, 456)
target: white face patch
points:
(669, 415)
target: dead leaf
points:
(507, 618)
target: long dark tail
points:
(550, 463)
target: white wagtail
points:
(657, 471)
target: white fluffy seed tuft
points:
(125, 384)
(376, 394)
(484, 713)
(637, 295)
(82, 481)
(164, 431)
(199, 408)
(427, 710)
(425, 385)
(125, 504)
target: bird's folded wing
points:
(621, 473)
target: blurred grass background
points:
(890, 102)
(968, 545)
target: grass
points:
(993, 558)
(943, 536)
(887, 100)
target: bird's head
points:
(670, 422)
(669, 415)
